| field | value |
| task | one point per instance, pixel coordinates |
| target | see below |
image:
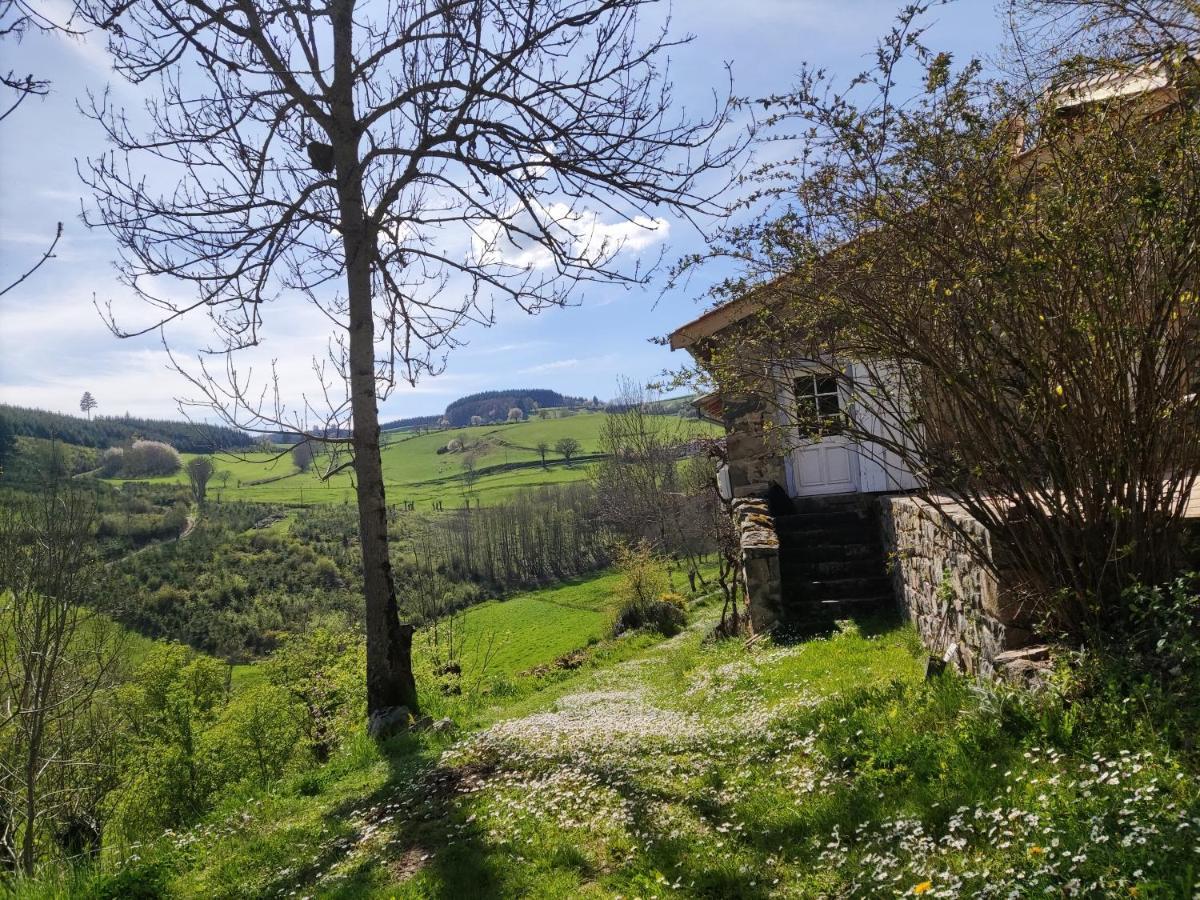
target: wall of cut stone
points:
(761, 577)
(754, 465)
(955, 601)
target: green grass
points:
(691, 769)
(414, 470)
(537, 627)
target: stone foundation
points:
(960, 607)
(753, 464)
(760, 561)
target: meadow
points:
(683, 767)
(506, 458)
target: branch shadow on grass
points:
(417, 826)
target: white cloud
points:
(516, 240)
(88, 46)
(550, 366)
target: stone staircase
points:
(831, 559)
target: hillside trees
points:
(492, 405)
(87, 403)
(348, 140)
(8, 443)
(56, 657)
(109, 431)
(1002, 280)
(534, 537)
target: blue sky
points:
(53, 345)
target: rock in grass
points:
(386, 722)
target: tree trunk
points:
(33, 752)
(390, 679)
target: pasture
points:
(505, 456)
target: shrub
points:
(112, 462)
(147, 459)
(657, 615)
(256, 737)
(173, 697)
(645, 597)
(321, 670)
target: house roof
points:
(1145, 79)
(1149, 80)
(721, 317)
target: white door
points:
(821, 460)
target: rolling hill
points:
(505, 456)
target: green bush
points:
(322, 673)
(167, 778)
(646, 600)
(255, 740)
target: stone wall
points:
(753, 464)
(956, 602)
(760, 561)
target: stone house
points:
(833, 525)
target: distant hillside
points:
(411, 422)
(493, 406)
(490, 406)
(107, 431)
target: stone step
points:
(803, 592)
(826, 533)
(817, 552)
(802, 523)
(868, 565)
(833, 503)
(817, 616)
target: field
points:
(505, 455)
(537, 627)
(688, 768)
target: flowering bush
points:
(148, 459)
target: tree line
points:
(108, 431)
(493, 406)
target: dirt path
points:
(188, 528)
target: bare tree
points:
(416, 152)
(87, 403)
(199, 471)
(1104, 32)
(543, 447)
(55, 655)
(991, 285)
(470, 467)
(648, 487)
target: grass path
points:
(682, 768)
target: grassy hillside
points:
(506, 459)
(827, 768)
(518, 633)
